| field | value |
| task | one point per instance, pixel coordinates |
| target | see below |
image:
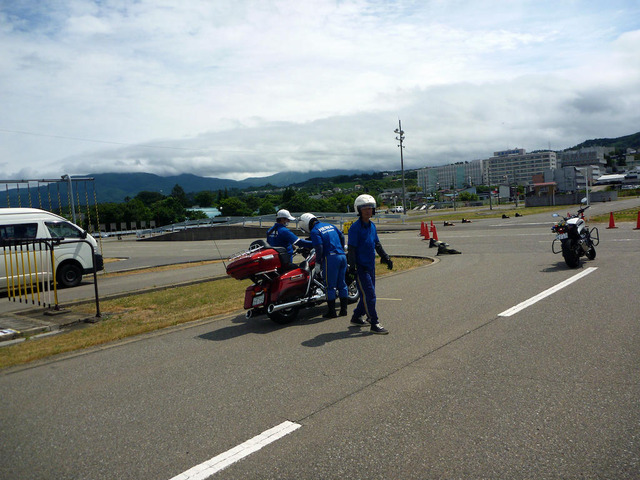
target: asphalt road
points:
(457, 390)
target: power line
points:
(95, 141)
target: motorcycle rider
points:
(363, 244)
(328, 242)
(280, 236)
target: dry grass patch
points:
(136, 314)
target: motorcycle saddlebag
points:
(253, 262)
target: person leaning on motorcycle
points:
(329, 244)
(363, 244)
(280, 236)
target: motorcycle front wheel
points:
(571, 258)
(352, 285)
(285, 316)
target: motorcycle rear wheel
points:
(571, 258)
(285, 316)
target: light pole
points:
(400, 138)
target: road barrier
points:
(30, 270)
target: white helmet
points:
(364, 200)
(307, 220)
(284, 214)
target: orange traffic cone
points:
(425, 232)
(638, 224)
(612, 224)
(434, 232)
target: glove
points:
(388, 261)
(316, 270)
(352, 269)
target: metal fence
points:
(30, 270)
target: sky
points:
(250, 88)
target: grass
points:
(137, 314)
(628, 215)
(473, 213)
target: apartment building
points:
(454, 175)
(516, 166)
(584, 157)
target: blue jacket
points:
(327, 240)
(281, 236)
(364, 238)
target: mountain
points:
(620, 143)
(116, 187)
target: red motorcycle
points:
(280, 288)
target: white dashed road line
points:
(219, 462)
(546, 293)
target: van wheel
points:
(69, 275)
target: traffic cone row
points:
(638, 224)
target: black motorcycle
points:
(575, 238)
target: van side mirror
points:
(83, 235)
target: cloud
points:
(248, 88)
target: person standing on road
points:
(363, 244)
(328, 242)
(280, 236)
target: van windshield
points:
(63, 230)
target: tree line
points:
(180, 206)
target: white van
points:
(72, 259)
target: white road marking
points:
(219, 462)
(546, 293)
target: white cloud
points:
(256, 87)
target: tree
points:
(299, 202)
(149, 198)
(288, 194)
(178, 193)
(204, 199)
(168, 210)
(266, 208)
(468, 197)
(234, 207)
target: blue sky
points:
(251, 88)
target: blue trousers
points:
(335, 269)
(366, 280)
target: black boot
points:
(343, 307)
(331, 309)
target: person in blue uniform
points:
(363, 244)
(280, 236)
(328, 242)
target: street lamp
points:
(400, 138)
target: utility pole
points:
(400, 138)
(73, 208)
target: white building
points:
(453, 175)
(516, 166)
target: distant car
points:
(397, 209)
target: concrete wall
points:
(572, 199)
(222, 232)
